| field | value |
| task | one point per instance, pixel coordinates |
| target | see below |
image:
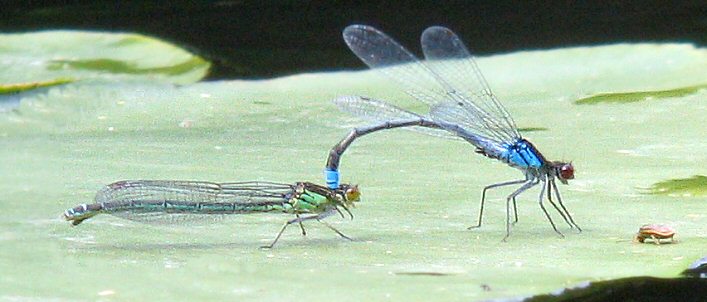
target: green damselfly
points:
(173, 201)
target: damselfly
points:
(462, 106)
(172, 201)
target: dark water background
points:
(254, 39)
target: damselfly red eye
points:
(567, 171)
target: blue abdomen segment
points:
(522, 154)
(332, 178)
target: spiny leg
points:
(301, 226)
(335, 230)
(515, 212)
(483, 198)
(540, 201)
(559, 200)
(549, 198)
(527, 185)
(284, 226)
(340, 213)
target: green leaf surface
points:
(532, 129)
(11, 94)
(630, 97)
(692, 186)
(20, 87)
(420, 193)
(58, 54)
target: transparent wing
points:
(384, 54)
(447, 111)
(378, 111)
(194, 198)
(479, 108)
(161, 218)
(436, 81)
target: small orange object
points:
(656, 232)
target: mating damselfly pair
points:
(172, 201)
(462, 106)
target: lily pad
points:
(20, 87)
(693, 186)
(419, 193)
(630, 97)
(532, 129)
(11, 94)
(53, 55)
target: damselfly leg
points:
(542, 206)
(335, 230)
(548, 185)
(483, 199)
(515, 212)
(527, 185)
(299, 220)
(301, 226)
(549, 198)
(559, 200)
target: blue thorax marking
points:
(522, 154)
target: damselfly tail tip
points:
(69, 216)
(78, 214)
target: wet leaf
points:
(532, 129)
(19, 87)
(79, 55)
(693, 186)
(630, 97)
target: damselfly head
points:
(351, 192)
(564, 171)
